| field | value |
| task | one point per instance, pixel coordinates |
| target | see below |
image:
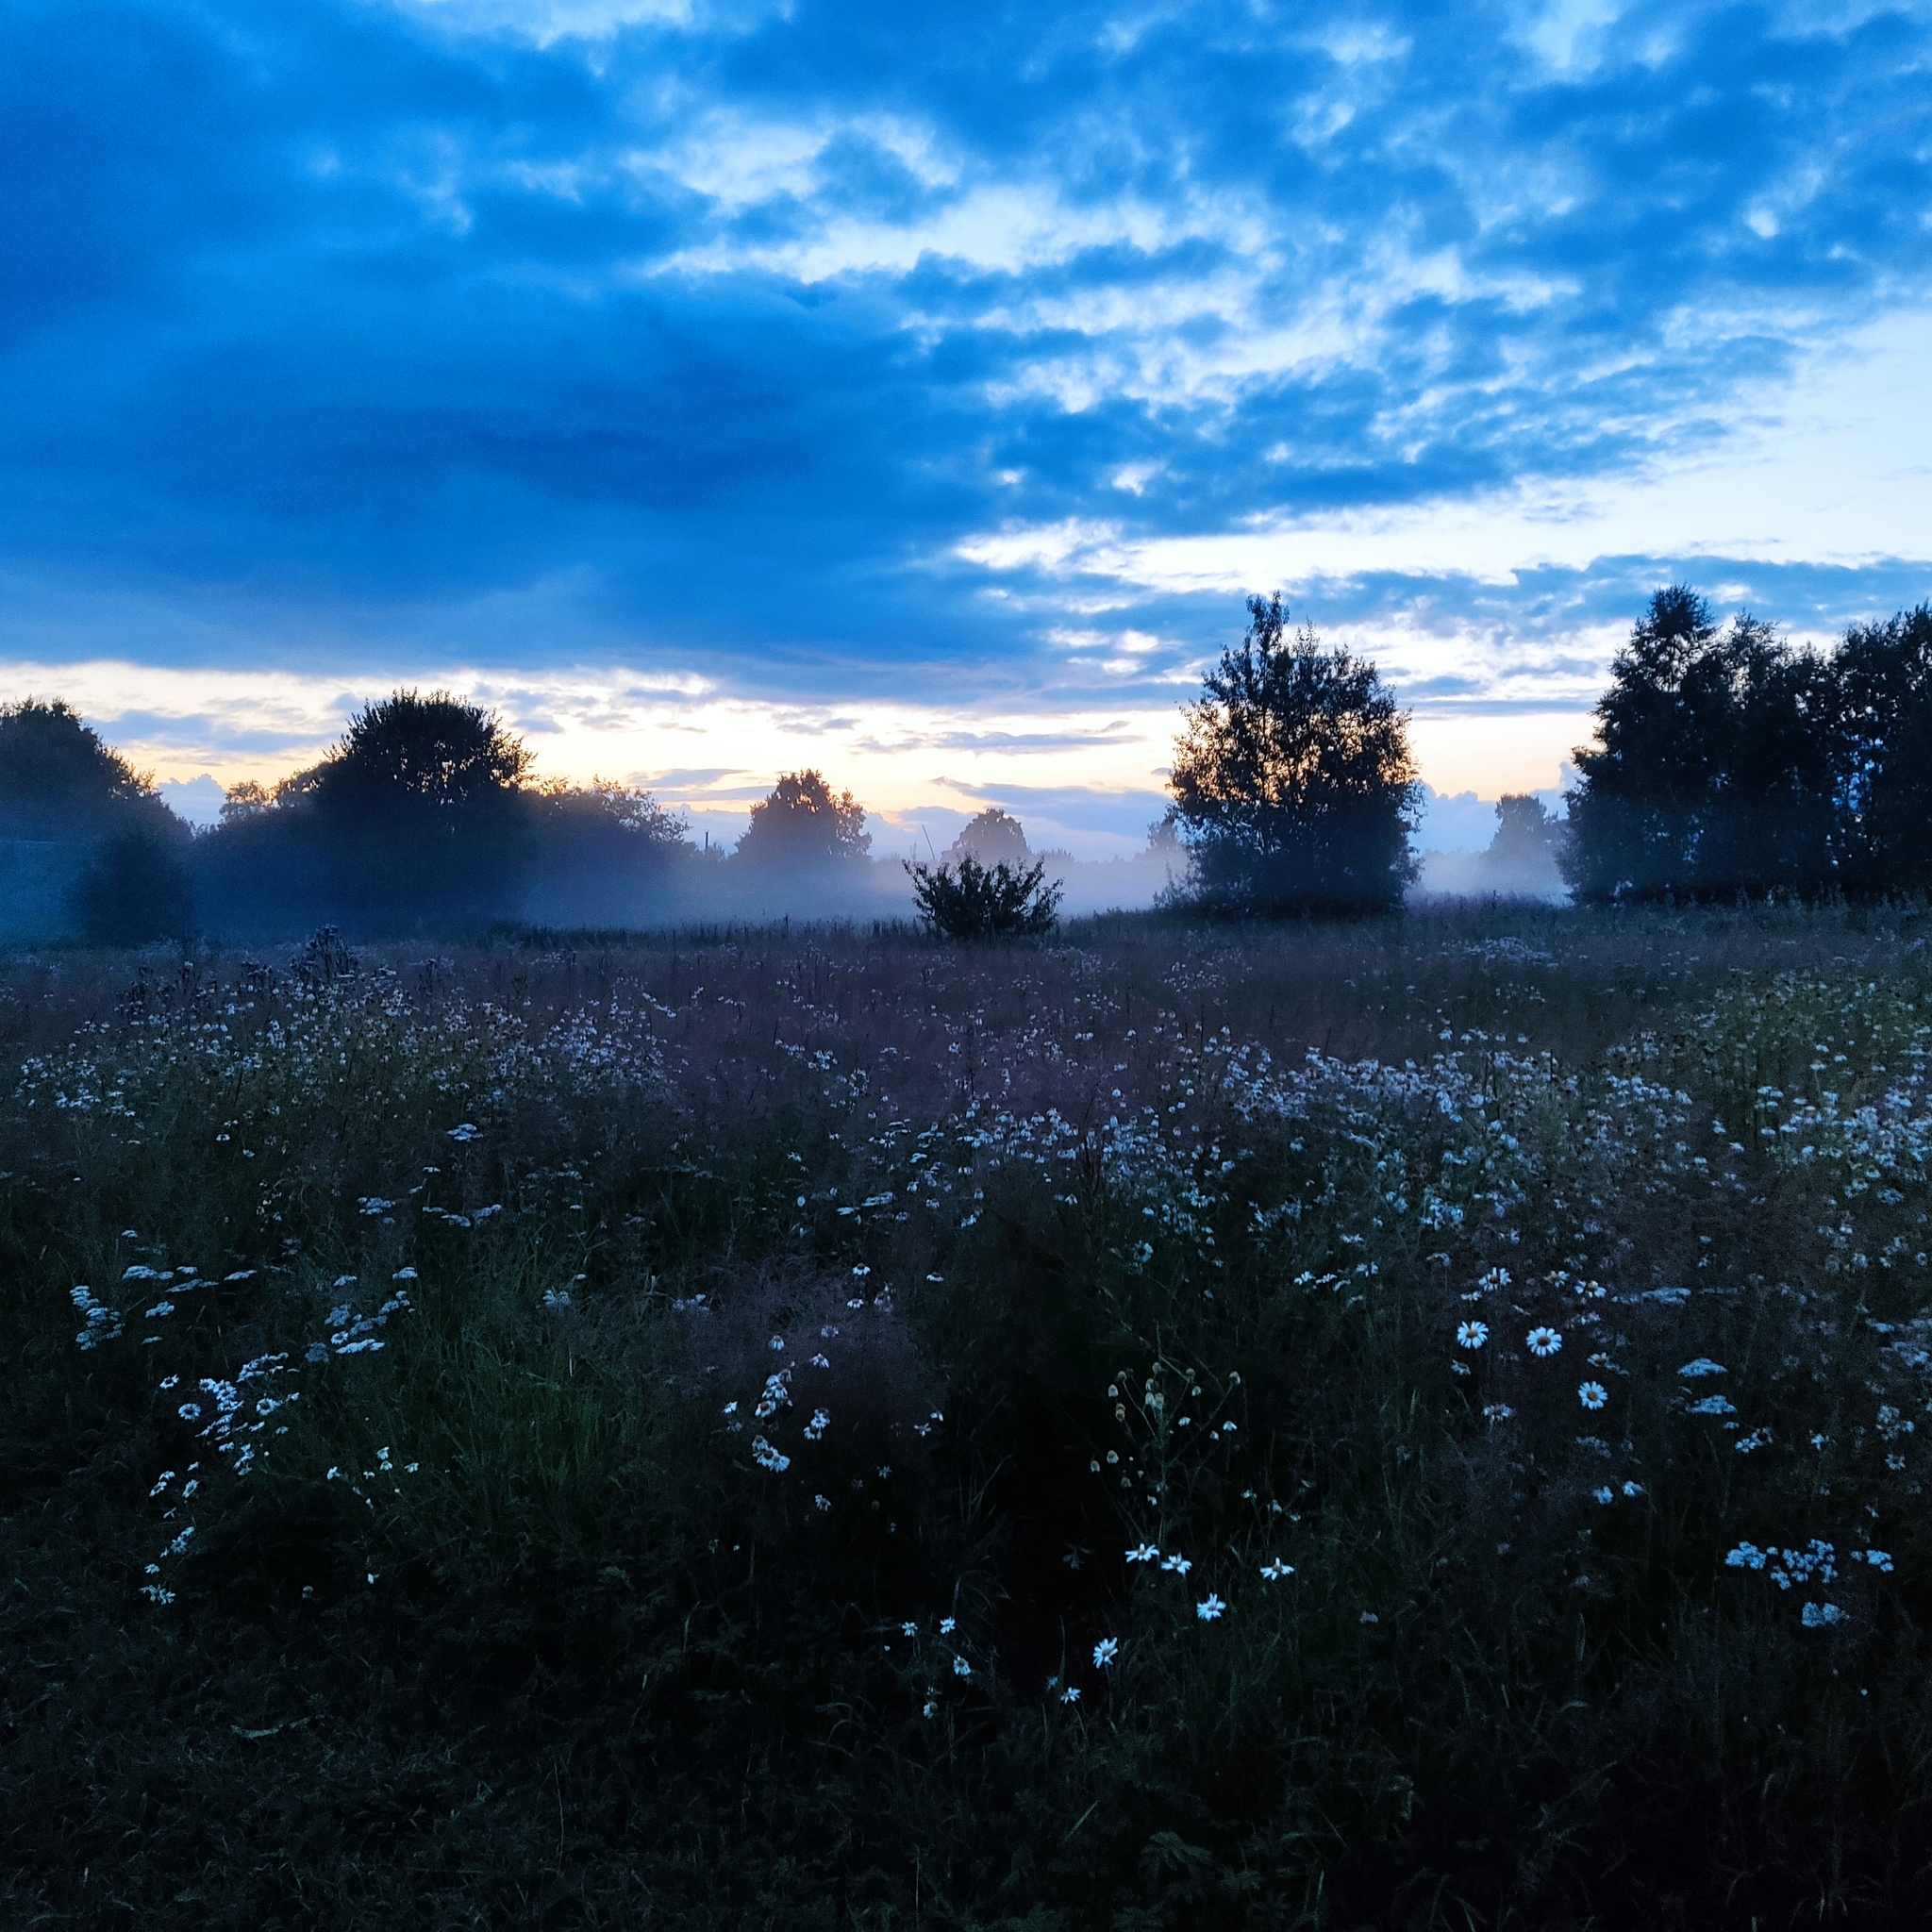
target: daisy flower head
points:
(1209, 1608)
(1592, 1394)
(1472, 1334)
(1544, 1342)
(1105, 1652)
(1143, 1553)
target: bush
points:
(970, 901)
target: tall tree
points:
(1293, 784)
(1712, 774)
(125, 867)
(1883, 753)
(421, 817)
(408, 753)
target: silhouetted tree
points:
(1529, 835)
(58, 781)
(1883, 755)
(1712, 771)
(1293, 784)
(602, 851)
(803, 823)
(409, 753)
(124, 878)
(419, 817)
(994, 836)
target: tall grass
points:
(1404, 1423)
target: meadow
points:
(1407, 1423)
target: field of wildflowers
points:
(1397, 1423)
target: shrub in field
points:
(972, 901)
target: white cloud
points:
(1831, 467)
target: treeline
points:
(1728, 763)
(425, 817)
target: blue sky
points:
(916, 392)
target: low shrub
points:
(972, 901)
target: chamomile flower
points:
(1472, 1334)
(1592, 1394)
(1105, 1652)
(1544, 1342)
(1209, 1608)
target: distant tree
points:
(613, 813)
(970, 901)
(1882, 755)
(993, 837)
(1294, 788)
(805, 823)
(1528, 833)
(1712, 773)
(246, 799)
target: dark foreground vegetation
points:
(1409, 1423)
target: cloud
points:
(721, 353)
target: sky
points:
(917, 393)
